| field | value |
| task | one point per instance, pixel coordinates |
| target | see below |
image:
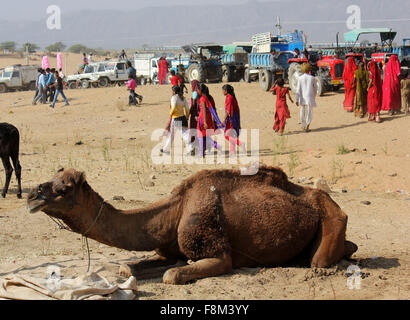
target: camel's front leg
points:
(148, 269)
(201, 269)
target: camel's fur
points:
(217, 218)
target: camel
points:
(215, 220)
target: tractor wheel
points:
(228, 74)
(295, 71)
(84, 84)
(196, 72)
(320, 86)
(103, 82)
(247, 76)
(265, 79)
(72, 85)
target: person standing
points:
(194, 110)
(131, 85)
(162, 70)
(40, 72)
(179, 120)
(59, 85)
(348, 79)
(132, 72)
(305, 96)
(206, 123)
(391, 86)
(232, 119)
(51, 89)
(405, 93)
(176, 81)
(282, 111)
(85, 62)
(41, 95)
(361, 82)
(374, 95)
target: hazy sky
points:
(35, 10)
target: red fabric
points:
(176, 81)
(282, 111)
(348, 79)
(374, 96)
(231, 107)
(209, 120)
(391, 85)
(162, 71)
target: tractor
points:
(200, 62)
(327, 70)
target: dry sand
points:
(115, 155)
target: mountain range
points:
(178, 25)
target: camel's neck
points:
(137, 230)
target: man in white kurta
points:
(305, 96)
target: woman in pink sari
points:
(374, 95)
(391, 86)
(348, 79)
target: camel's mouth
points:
(36, 206)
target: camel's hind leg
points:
(330, 245)
(203, 268)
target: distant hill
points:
(216, 23)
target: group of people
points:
(50, 84)
(305, 99)
(366, 92)
(198, 122)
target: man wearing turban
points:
(305, 96)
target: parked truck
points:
(270, 56)
(18, 77)
(147, 68)
(234, 61)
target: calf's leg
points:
(9, 171)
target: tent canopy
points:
(386, 34)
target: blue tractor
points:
(199, 62)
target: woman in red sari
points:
(391, 86)
(282, 111)
(162, 70)
(374, 95)
(348, 79)
(205, 126)
(232, 119)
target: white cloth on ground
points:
(90, 286)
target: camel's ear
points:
(60, 170)
(79, 178)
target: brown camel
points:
(217, 219)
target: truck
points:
(147, 68)
(270, 55)
(18, 77)
(234, 61)
(201, 62)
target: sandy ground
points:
(115, 154)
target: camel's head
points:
(58, 196)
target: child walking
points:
(131, 85)
(282, 110)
